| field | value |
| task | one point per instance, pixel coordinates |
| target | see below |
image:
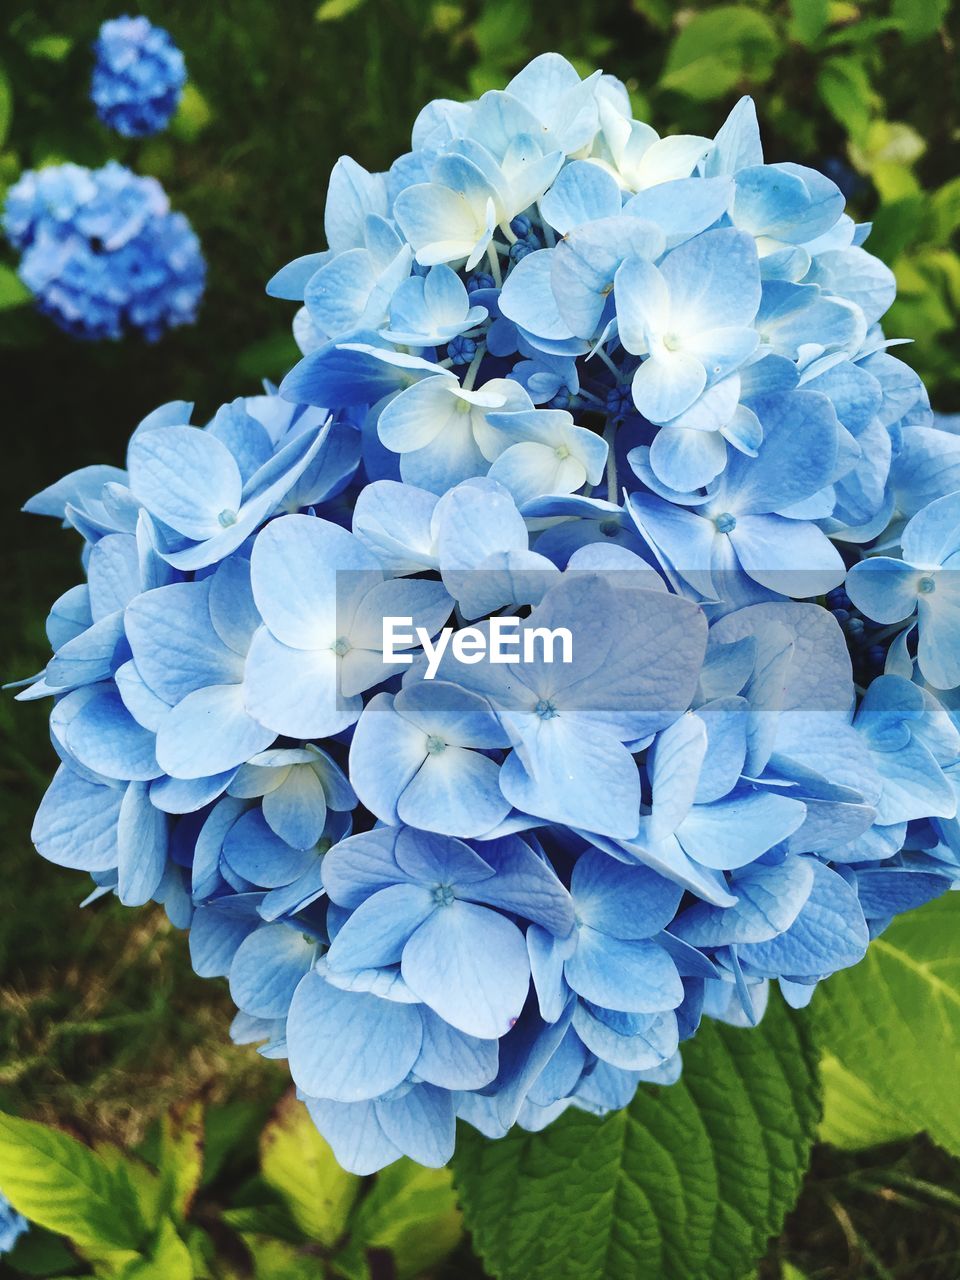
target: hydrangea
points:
(138, 76)
(12, 1225)
(560, 377)
(102, 251)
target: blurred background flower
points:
(102, 252)
(138, 77)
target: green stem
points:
(494, 259)
(610, 435)
(471, 375)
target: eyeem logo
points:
(501, 641)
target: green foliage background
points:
(102, 1024)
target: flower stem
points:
(494, 259)
(470, 376)
(610, 435)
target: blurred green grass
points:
(102, 1022)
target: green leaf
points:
(13, 292)
(40, 1253)
(192, 115)
(168, 1257)
(181, 1156)
(157, 158)
(412, 1212)
(808, 20)
(853, 1115)
(717, 49)
(501, 27)
(888, 143)
(844, 89)
(659, 13)
(687, 1183)
(145, 1184)
(298, 1163)
(6, 105)
(945, 210)
(56, 1181)
(230, 1130)
(887, 154)
(919, 19)
(894, 1019)
(334, 10)
(861, 30)
(275, 1260)
(897, 225)
(53, 48)
(264, 1220)
(269, 357)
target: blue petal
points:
(829, 934)
(452, 1060)
(98, 730)
(174, 645)
(261, 857)
(385, 754)
(141, 847)
(683, 208)
(581, 193)
(714, 280)
(294, 574)
(629, 976)
(392, 521)
(524, 884)
(291, 280)
(421, 1123)
(209, 732)
(434, 859)
(215, 935)
(455, 791)
(625, 902)
(349, 1046)
(575, 774)
(267, 968)
(187, 478)
(376, 932)
(770, 898)
(674, 767)
(586, 261)
(76, 823)
(470, 966)
(360, 865)
(297, 809)
(737, 143)
(885, 892)
(636, 1042)
(355, 1134)
(734, 831)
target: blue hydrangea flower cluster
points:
(138, 76)
(102, 251)
(559, 374)
(12, 1225)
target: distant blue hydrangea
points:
(560, 376)
(12, 1225)
(102, 252)
(138, 76)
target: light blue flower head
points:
(102, 251)
(138, 76)
(561, 377)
